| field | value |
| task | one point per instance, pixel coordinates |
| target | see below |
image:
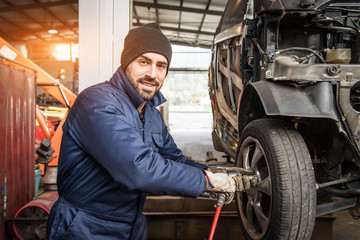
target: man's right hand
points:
(220, 182)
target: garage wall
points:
(52, 67)
(102, 28)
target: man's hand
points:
(220, 182)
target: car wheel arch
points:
(274, 99)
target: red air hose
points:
(216, 218)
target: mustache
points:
(149, 80)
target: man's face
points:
(147, 73)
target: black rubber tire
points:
(283, 204)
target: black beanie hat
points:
(146, 38)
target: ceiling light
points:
(53, 31)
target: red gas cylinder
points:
(32, 217)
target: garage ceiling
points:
(185, 22)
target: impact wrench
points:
(245, 179)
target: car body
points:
(284, 84)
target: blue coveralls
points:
(110, 157)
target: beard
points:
(144, 94)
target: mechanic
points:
(116, 148)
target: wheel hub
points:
(254, 204)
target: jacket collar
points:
(120, 81)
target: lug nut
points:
(268, 73)
(334, 70)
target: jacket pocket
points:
(89, 226)
(72, 223)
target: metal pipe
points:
(335, 206)
(47, 84)
(64, 96)
(42, 122)
(331, 183)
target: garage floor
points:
(192, 134)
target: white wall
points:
(103, 25)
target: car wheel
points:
(283, 203)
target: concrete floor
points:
(345, 227)
(192, 134)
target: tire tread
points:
(295, 215)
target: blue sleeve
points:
(104, 132)
(196, 164)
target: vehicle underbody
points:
(288, 73)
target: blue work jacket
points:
(110, 158)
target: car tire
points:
(283, 203)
